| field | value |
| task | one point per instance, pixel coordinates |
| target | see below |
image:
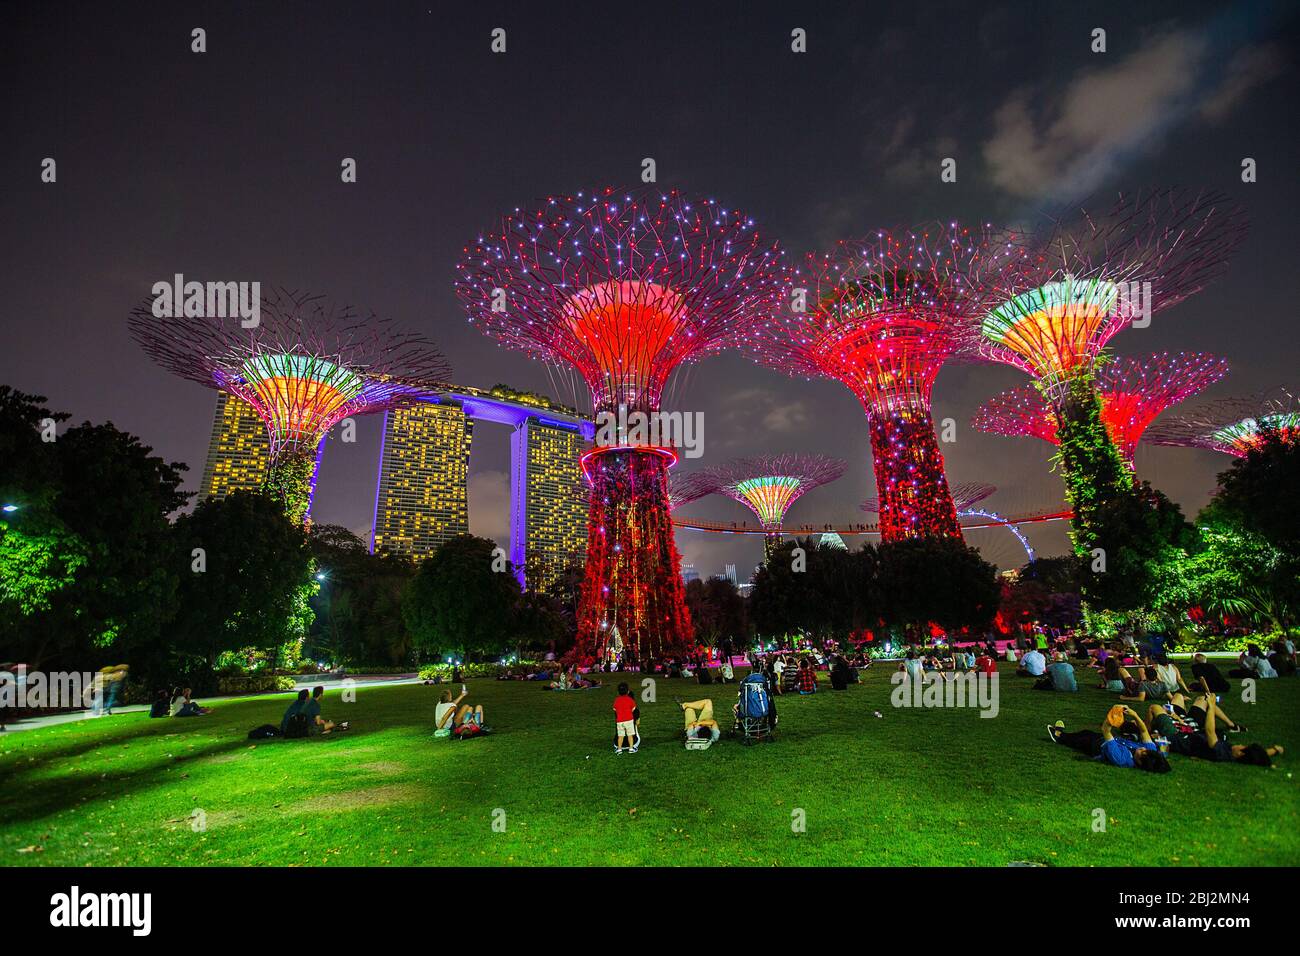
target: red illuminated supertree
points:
(1133, 394)
(1066, 297)
(882, 316)
(305, 366)
(1233, 425)
(964, 495)
(769, 484)
(623, 288)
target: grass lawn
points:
(916, 787)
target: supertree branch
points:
(683, 489)
(1133, 394)
(882, 315)
(1090, 274)
(305, 366)
(964, 495)
(1232, 426)
(622, 288)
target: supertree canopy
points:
(768, 485)
(623, 288)
(1066, 296)
(1233, 426)
(683, 489)
(1133, 394)
(304, 367)
(964, 495)
(884, 314)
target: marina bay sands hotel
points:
(421, 498)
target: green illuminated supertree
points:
(303, 367)
(1066, 296)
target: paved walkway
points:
(304, 683)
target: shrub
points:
(253, 684)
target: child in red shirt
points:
(624, 721)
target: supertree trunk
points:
(915, 501)
(291, 481)
(632, 581)
(1091, 465)
(770, 544)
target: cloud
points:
(1067, 143)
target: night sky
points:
(225, 166)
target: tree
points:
(245, 575)
(102, 513)
(1258, 494)
(938, 580)
(459, 603)
(358, 608)
(815, 589)
(1141, 537)
(717, 611)
(540, 625)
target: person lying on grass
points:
(450, 716)
(1207, 744)
(318, 724)
(698, 715)
(1140, 754)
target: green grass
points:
(916, 787)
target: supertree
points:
(769, 484)
(882, 316)
(305, 366)
(1233, 425)
(964, 495)
(1133, 394)
(1066, 297)
(623, 288)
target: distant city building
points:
(548, 501)
(832, 540)
(238, 451)
(689, 573)
(423, 494)
(730, 574)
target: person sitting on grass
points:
(807, 677)
(1032, 664)
(450, 716)
(1150, 687)
(1115, 678)
(698, 716)
(986, 664)
(1169, 675)
(1253, 664)
(1140, 754)
(312, 711)
(1206, 670)
(161, 705)
(182, 706)
(1059, 675)
(625, 720)
(1206, 744)
(293, 710)
(913, 665)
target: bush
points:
(253, 684)
(430, 671)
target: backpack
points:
(297, 726)
(753, 696)
(264, 732)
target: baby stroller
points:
(754, 711)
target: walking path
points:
(300, 683)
